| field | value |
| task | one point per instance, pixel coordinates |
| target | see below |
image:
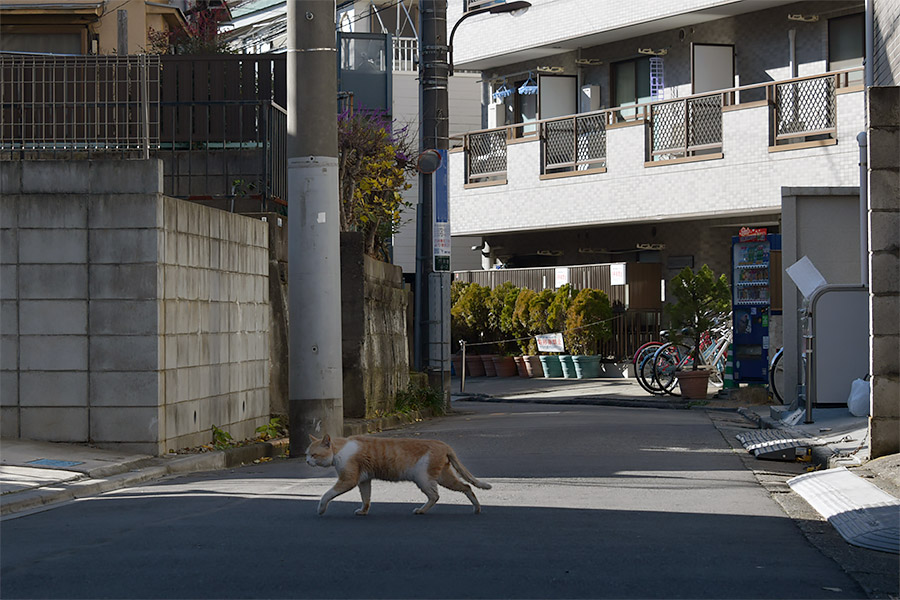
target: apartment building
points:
(651, 131)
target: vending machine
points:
(751, 302)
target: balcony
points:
(702, 155)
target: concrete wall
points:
(374, 304)
(129, 319)
(887, 43)
(884, 267)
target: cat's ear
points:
(326, 441)
(313, 439)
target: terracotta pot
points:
(474, 366)
(693, 384)
(505, 366)
(521, 366)
(533, 364)
(488, 361)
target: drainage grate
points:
(773, 444)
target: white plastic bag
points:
(858, 402)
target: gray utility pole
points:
(316, 403)
(432, 310)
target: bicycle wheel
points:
(776, 376)
(642, 353)
(644, 375)
(667, 360)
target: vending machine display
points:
(750, 284)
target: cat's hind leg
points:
(429, 488)
(449, 480)
(365, 490)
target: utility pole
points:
(314, 283)
(432, 297)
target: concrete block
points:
(885, 268)
(125, 424)
(9, 246)
(183, 418)
(49, 388)
(54, 424)
(8, 283)
(52, 246)
(116, 211)
(884, 106)
(9, 318)
(53, 353)
(885, 315)
(9, 388)
(124, 317)
(126, 176)
(124, 245)
(52, 282)
(126, 282)
(885, 389)
(9, 422)
(885, 354)
(125, 353)
(64, 211)
(56, 177)
(884, 147)
(885, 437)
(53, 317)
(9, 352)
(884, 189)
(10, 178)
(884, 231)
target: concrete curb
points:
(131, 473)
(584, 401)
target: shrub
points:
(587, 321)
(702, 301)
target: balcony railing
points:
(406, 53)
(802, 111)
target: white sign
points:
(805, 276)
(617, 274)
(562, 276)
(550, 342)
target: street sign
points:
(550, 342)
(441, 225)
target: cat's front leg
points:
(341, 487)
(365, 490)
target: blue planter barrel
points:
(551, 366)
(568, 366)
(587, 367)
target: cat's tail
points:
(464, 472)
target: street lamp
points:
(515, 8)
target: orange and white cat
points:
(360, 459)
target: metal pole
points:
(462, 367)
(314, 284)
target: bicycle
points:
(776, 376)
(647, 349)
(672, 357)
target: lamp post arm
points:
(480, 11)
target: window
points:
(631, 84)
(846, 44)
(521, 108)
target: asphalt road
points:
(598, 502)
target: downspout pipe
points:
(869, 61)
(861, 139)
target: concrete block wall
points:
(884, 267)
(103, 278)
(747, 180)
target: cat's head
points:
(320, 452)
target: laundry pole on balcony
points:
(314, 284)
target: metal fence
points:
(486, 156)
(72, 106)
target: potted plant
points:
(469, 320)
(587, 323)
(521, 330)
(702, 301)
(556, 321)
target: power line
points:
(372, 11)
